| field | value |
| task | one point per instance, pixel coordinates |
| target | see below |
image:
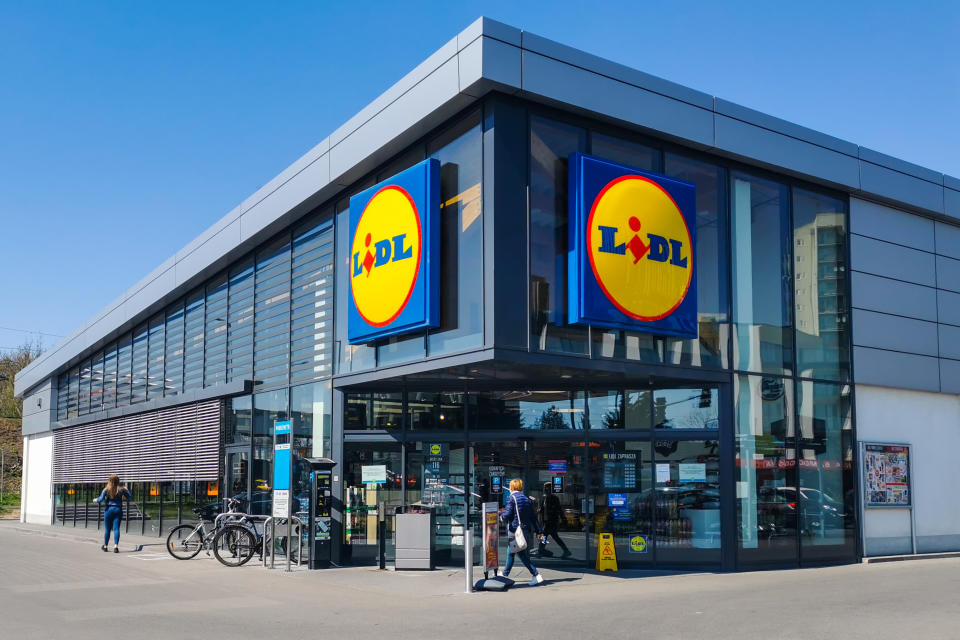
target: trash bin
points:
(415, 537)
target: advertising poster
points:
(886, 471)
(491, 531)
(692, 472)
(373, 473)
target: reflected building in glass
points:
(827, 315)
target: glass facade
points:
(733, 449)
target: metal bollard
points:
(468, 559)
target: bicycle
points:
(198, 537)
(237, 542)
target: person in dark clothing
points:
(520, 514)
(113, 494)
(551, 511)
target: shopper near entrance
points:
(113, 494)
(519, 514)
(550, 512)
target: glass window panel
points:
(460, 152)
(551, 143)
(239, 422)
(350, 357)
(268, 407)
(173, 360)
(361, 500)
(606, 411)
(625, 152)
(312, 415)
(827, 493)
(311, 317)
(536, 410)
(638, 409)
(155, 357)
(373, 411)
(271, 333)
(124, 371)
(96, 383)
(240, 324)
(712, 264)
(110, 377)
(215, 333)
(73, 395)
(84, 394)
(193, 321)
(139, 389)
(686, 408)
(761, 275)
(820, 273)
(436, 476)
(428, 411)
(766, 470)
(63, 395)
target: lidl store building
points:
(728, 340)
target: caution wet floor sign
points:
(606, 553)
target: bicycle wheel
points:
(185, 542)
(234, 545)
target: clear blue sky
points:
(128, 128)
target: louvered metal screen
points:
(178, 443)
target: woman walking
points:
(520, 515)
(113, 493)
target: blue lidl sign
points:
(395, 255)
(632, 249)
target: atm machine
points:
(320, 528)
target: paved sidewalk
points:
(55, 583)
(128, 541)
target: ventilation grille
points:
(179, 443)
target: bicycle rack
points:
(270, 523)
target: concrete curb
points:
(917, 556)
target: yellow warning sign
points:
(606, 553)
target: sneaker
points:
(546, 553)
(104, 548)
(566, 553)
(535, 580)
(115, 550)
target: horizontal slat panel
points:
(177, 443)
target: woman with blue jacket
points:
(113, 494)
(520, 513)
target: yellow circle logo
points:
(435, 449)
(640, 248)
(385, 256)
(638, 544)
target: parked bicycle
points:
(237, 542)
(187, 540)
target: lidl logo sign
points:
(394, 255)
(632, 240)
(638, 543)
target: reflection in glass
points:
(766, 469)
(681, 408)
(621, 151)
(551, 143)
(239, 420)
(350, 357)
(623, 499)
(827, 492)
(435, 411)
(435, 477)
(536, 410)
(310, 410)
(687, 474)
(820, 273)
(606, 411)
(373, 411)
(638, 409)
(761, 276)
(460, 152)
(361, 499)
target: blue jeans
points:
(524, 556)
(111, 520)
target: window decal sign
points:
(394, 268)
(632, 238)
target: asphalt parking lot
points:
(58, 584)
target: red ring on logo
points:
(593, 266)
(416, 273)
